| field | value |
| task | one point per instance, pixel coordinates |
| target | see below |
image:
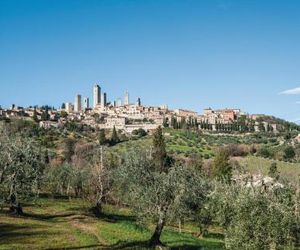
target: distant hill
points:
(282, 124)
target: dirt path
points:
(86, 225)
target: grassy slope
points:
(258, 165)
(177, 141)
(180, 143)
(57, 224)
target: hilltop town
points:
(127, 116)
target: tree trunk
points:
(68, 188)
(202, 231)
(15, 206)
(155, 239)
(16, 209)
(98, 209)
(179, 226)
(100, 188)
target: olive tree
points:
(222, 169)
(72, 178)
(59, 179)
(159, 196)
(21, 170)
(255, 218)
(101, 178)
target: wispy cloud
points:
(295, 91)
(298, 102)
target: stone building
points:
(96, 95)
(77, 103)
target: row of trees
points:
(241, 125)
(114, 139)
(45, 116)
(236, 126)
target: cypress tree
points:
(159, 150)
(273, 171)
(34, 117)
(261, 127)
(102, 138)
(165, 123)
(45, 114)
(114, 137)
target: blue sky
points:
(188, 54)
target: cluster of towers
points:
(99, 101)
(118, 102)
(78, 104)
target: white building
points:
(118, 122)
(164, 107)
(69, 107)
(145, 126)
(77, 104)
(119, 102)
(86, 103)
(49, 124)
(126, 98)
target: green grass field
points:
(68, 224)
(177, 141)
(258, 165)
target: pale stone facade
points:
(77, 103)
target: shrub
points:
(264, 152)
(221, 167)
(255, 219)
(289, 153)
(139, 132)
(236, 150)
(206, 156)
(253, 150)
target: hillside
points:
(124, 183)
